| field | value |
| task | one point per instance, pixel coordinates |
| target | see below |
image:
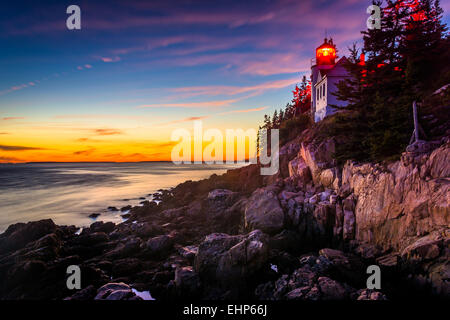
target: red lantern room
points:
(326, 53)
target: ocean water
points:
(69, 192)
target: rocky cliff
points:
(401, 207)
(307, 233)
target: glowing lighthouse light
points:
(326, 53)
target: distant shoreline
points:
(165, 161)
(44, 162)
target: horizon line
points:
(34, 162)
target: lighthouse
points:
(325, 75)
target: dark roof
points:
(334, 72)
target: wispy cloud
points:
(46, 78)
(244, 110)
(184, 120)
(99, 116)
(205, 104)
(12, 118)
(110, 59)
(275, 64)
(107, 132)
(248, 91)
(18, 148)
(206, 117)
(259, 63)
(7, 159)
(185, 92)
(14, 88)
(156, 145)
(86, 152)
(88, 140)
(84, 67)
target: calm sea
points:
(69, 192)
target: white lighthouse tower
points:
(325, 74)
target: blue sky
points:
(144, 67)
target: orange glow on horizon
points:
(28, 150)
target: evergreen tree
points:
(267, 122)
(275, 119)
(280, 117)
(401, 60)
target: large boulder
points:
(101, 226)
(225, 210)
(159, 245)
(345, 266)
(19, 234)
(91, 239)
(187, 282)
(327, 177)
(299, 170)
(84, 294)
(126, 247)
(126, 267)
(116, 291)
(229, 259)
(245, 258)
(425, 248)
(263, 211)
(210, 251)
(331, 289)
(318, 157)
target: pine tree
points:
(281, 117)
(401, 60)
(275, 119)
(267, 122)
(258, 141)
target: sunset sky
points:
(116, 89)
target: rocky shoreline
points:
(307, 233)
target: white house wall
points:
(321, 101)
(322, 106)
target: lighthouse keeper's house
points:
(325, 75)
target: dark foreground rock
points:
(308, 233)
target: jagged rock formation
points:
(401, 207)
(308, 233)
